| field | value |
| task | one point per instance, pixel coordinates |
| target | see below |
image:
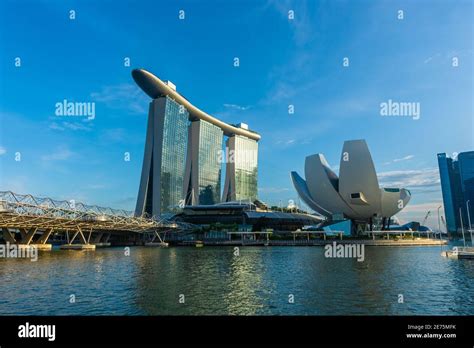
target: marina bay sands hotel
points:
(184, 154)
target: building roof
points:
(355, 193)
(281, 215)
(156, 88)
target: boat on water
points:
(464, 252)
(459, 253)
(199, 244)
(157, 244)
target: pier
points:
(323, 242)
(321, 238)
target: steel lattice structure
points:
(27, 212)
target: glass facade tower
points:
(175, 141)
(203, 164)
(448, 176)
(183, 159)
(241, 169)
(210, 145)
(457, 186)
(161, 184)
(466, 172)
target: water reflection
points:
(216, 282)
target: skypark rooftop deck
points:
(155, 88)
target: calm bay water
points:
(258, 282)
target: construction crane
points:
(426, 218)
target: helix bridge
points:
(27, 219)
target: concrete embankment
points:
(368, 242)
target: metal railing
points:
(27, 211)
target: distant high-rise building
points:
(457, 186)
(241, 169)
(184, 155)
(466, 172)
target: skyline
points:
(282, 62)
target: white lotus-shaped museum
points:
(355, 194)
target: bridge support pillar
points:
(78, 232)
(97, 238)
(44, 238)
(85, 245)
(8, 236)
(27, 236)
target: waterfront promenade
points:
(322, 242)
(29, 220)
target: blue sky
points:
(282, 62)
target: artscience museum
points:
(355, 194)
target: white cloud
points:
(417, 212)
(69, 125)
(2, 150)
(422, 207)
(56, 126)
(403, 158)
(429, 59)
(301, 25)
(230, 113)
(123, 97)
(410, 178)
(283, 143)
(273, 189)
(236, 107)
(61, 154)
(114, 135)
(406, 158)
